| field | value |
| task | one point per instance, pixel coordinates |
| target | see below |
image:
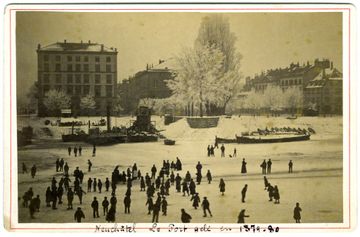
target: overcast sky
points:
(265, 40)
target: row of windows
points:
(76, 78)
(291, 82)
(76, 58)
(76, 67)
(81, 90)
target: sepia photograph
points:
(180, 117)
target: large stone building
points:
(320, 83)
(78, 69)
(149, 83)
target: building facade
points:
(149, 83)
(78, 69)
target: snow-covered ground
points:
(316, 182)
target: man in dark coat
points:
(185, 188)
(70, 198)
(80, 150)
(80, 193)
(95, 207)
(79, 214)
(164, 205)
(57, 164)
(142, 184)
(178, 164)
(110, 217)
(113, 201)
(150, 205)
(243, 193)
(37, 203)
(89, 185)
(94, 151)
(222, 148)
(156, 210)
(89, 166)
(153, 171)
(107, 184)
(127, 203)
(178, 183)
(209, 177)
(269, 163)
(270, 189)
(33, 171)
(95, 184)
(105, 205)
(54, 196)
(263, 167)
(241, 217)
(206, 206)
(75, 151)
(69, 150)
(185, 217)
(243, 167)
(198, 167)
(32, 208)
(290, 166)
(297, 214)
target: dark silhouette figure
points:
(297, 215)
(208, 176)
(105, 205)
(222, 186)
(89, 185)
(80, 150)
(110, 217)
(127, 203)
(178, 164)
(241, 217)
(75, 151)
(276, 195)
(164, 205)
(57, 164)
(270, 189)
(243, 193)
(99, 184)
(290, 166)
(107, 184)
(196, 200)
(263, 167)
(222, 148)
(94, 184)
(89, 166)
(142, 184)
(269, 163)
(79, 214)
(156, 210)
(178, 183)
(33, 171)
(243, 167)
(70, 198)
(234, 154)
(24, 168)
(208, 151)
(185, 188)
(80, 193)
(69, 151)
(113, 201)
(206, 206)
(150, 205)
(48, 197)
(185, 217)
(94, 151)
(153, 171)
(95, 207)
(266, 182)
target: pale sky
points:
(265, 40)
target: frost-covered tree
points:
(254, 101)
(197, 81)
(273, 98)
(87, 103)
(293, 98)
(56, 100)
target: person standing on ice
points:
(99, 185)
(80, 150)
(113, 201)
(75, 151)
(69, 150)
(89, 166)
(185, 188)
(150, 204)
(178, 164)
(66, 169)
(57, 163)
(212, 153)
(142, 184)
(80, 193)
(222, 148)
(94, 184)
(70, 198)
(107, 184)
(127, 203)
(196, 200)
(95, 207)
(208, 151)
(266, 182)
(79, 214)
(178, 183)
(243, 193)
(243, 167)
(94, 151)
(105, 205)
(269, 164)
(209, 177)
(33, 171)
(24, 168)
(89, 185)
(206, 206)
(241, 217)
(198, 167)
(153, 171)
(222, 186)
(297, 214)
(290, 166)
(276, 195)
(263, 167)
(234, 154)
(185, 217)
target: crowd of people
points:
(156, 183)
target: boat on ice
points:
(273, 138)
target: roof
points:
(76, 47)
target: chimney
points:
(81, 42)
(147, 67)
(89, 42)
(331, 65)
(102, 47)
(115, 49)
(64, 41)
(39, 46)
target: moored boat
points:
(272, 138)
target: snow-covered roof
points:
(77, 47)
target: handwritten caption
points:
(132, 228)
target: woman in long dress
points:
(243, 167)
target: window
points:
(108, 67)
(108, 79)
(46, 57)
(86, 90)
(97, 78)
(78, 67)
(86, 67)
(69, 67)
(58, 88)
(46, 79)
(97, 90)
(108, 59)
(69, 90)
(58, 78)
(86, 79)
(69, 78)
(46, 88)
(78, 78)
(57, 67)
(57, 58)
(97, 59)
(46, 67)
(109, 91)
(69, 58)
(77, 58)
(77, 90)
(86, 59)
(97, 68)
